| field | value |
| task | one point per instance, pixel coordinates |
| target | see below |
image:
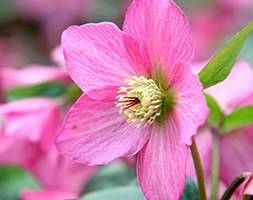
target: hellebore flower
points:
(53, 16)
(140, 95)
(47, 194)
(33, 74)
(23, 124)
(235, 148)
(27, 132)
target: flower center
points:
(142, 101)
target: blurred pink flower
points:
(146, 63)
(236, 4)
(24, 124)
(237, 87)
(207, 33)
(27, 134)
(30, 75)
(9, 53)
(57, 57)
(61, 173)
(47, 194)
(235, 148)
(55, 15)
(206, 23)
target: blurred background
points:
(29, 29)
(32, 65)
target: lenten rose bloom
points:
(22, 124)
(32, 74)
(53, 16)
(62, 174)
(27, 132)
(235, 148)
(140, 95)
(57, 57)
(47, 194)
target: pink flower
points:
(207, 19)
(140, 95)
(206, 31)
(53, 16)
(61, 173)
(33, 74)
(57, 56)
(236, 4)
(235, 148)
(10, 53)
(23, 124)
(26, 139)
(47, 194)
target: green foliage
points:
(240, 117)
(247, 197)
(7, 11)
(13, 180)
(221, 64)
(191, 191)
(112, 175)
(117, 193)
(47, 89)
(133, 192)
(215, 115)
(74, 92)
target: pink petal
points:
(247, 186)
(57, 56)
(61, 173)
(33, 74)
(95, 133)
(248, 100)
(12, 148)
(25, 123)
(191, 110)
(163, 31)
(30, 118)
(100, 55)
(231, 91)
(162, 163)
(236, 151)
(47, 194)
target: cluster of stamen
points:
(141, 101)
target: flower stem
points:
(215, 167)
(199, 170)
(233, 186)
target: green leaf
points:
(118, 193)
(47, 89)
(74, 92)
(221, 64)
(247, 197)
(133, 192)
(111, 175)
(8, 11)
(215, 115)
(13, 180)
(239, 118)
(191, 191)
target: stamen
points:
(141, 101)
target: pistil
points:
(142, 100)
